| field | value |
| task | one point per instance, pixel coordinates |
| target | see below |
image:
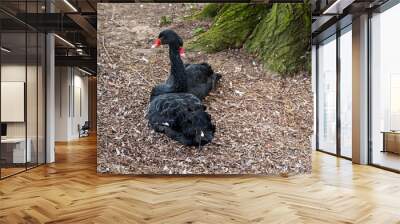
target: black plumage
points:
(182, 117)
(201, 79)
(177, 80)
(175, 109)
(198, 79)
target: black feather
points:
(182, 117)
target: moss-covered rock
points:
(231, 27)
(282, 38)
(278, 34)
(209, 11)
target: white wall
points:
(80, 89)
(13, 101)
(70, 83)
(62, 81)
(33, 126)
(12, 73)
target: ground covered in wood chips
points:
(264, 122)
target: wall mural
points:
(204, 89)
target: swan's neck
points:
(177, 69)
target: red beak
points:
(182, 52)
(157, 43)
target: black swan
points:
(177, 80)
(182, 117)
(200, 78)
(173, 111)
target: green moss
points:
(278, 34)
(282, 38)
(198, 30)
(231, 27)
(209, 11)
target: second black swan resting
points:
(198, 79)
(175, 106)
(201, 79)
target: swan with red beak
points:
(197, 79)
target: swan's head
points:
(171, 38)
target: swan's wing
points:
(198, 73)
(168, 109)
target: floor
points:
(70, 191)
(5, 172)
(10, 171)
(387, 159)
